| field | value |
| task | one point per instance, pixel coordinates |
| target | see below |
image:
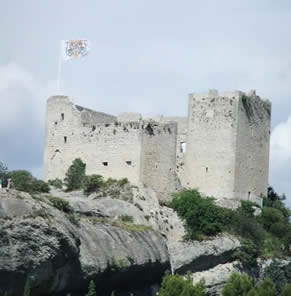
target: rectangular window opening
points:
(128, 162)
(63, 116)
(183, 147)
(65, 139)
(105, 163)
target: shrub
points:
(75, 175)
(238, 285)
(57, 183)
(22, 180)
(72, 218)
(174, 285)
(247, 208)
(247, 253)
(276, 274)
(126, 218)
(39, 186)
(92, 183)
(286, 290)
(122, 181)
(3, 173)
(60, 204)
(91, 289)
(269, 216)
(266, 287)
(201, 215)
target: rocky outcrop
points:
(40, 241)
(61, 252)
(198, 256)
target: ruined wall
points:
(159, 158)
(210, 155)
(108, 148)
(181, 146)
(252, 148)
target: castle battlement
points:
(221, 147)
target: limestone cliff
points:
(62, 251)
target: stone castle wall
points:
(110, 146)
(210, 157)
(228, 145)
(221, 147)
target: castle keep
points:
(221, 147)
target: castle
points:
(221, 147)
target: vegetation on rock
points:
(75, 175)
(176, 285)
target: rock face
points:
(62, 251)
(39, 241)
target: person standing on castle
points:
(0, 183)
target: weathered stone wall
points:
(210, 155)
(228, 145)
(159, 157)
(108, 148)
(252, 148)
(181, 147)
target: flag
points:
(72, 49)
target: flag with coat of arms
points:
(74, 49)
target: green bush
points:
(91, 289)
(266, 287)
(276, 274)
(286, 290)
(39, 186)
(75, 175)
(176, 285)
(201, 215)
(122, 181)
(72, 218)
(22, 180)
(238, 285)
(60, 204)
(57, 183)
(247, 253)
(3, 173)
(92, 183)
(126, 218)
(269, 216)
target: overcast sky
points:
(146, 56)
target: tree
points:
(92, 289)
(92, 183)
(27, 287)
(22, 180)
(266, 287)
(3, 173)
(175, 285)
(286, 290)
(75, 175)
(238, 285)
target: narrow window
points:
(105, 163)
(56, 123)
(206, 169)
(93, 128)
(249, 195)
(65, 139)
(63, 116)
(183, 147)
(128, 162)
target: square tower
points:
(228, 138)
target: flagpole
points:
(59, 70)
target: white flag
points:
(72, 49)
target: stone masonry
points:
(221, 148)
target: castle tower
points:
(228, 138)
